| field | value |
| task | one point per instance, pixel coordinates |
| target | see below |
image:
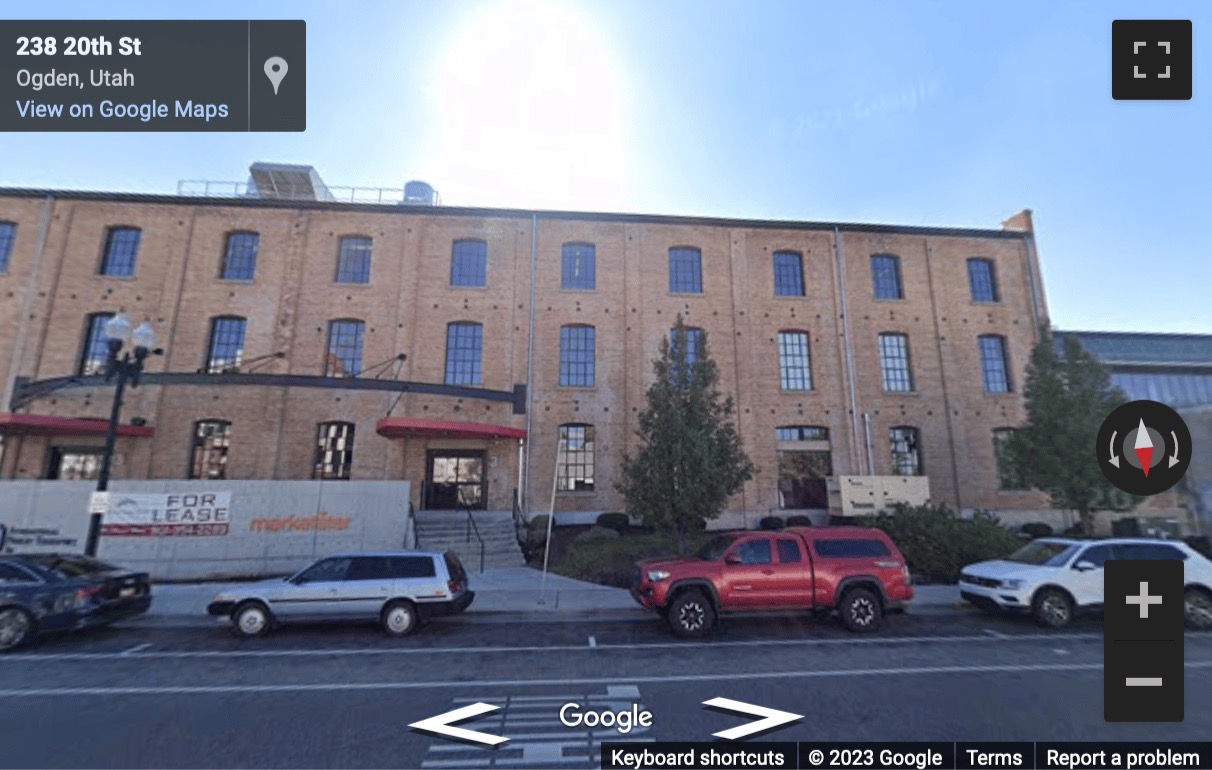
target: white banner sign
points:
(143, 514)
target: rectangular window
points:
(894, 363)
(463, 342)
(858, 548)
(353, 259)
(334, 451)
(789, 551)
(209, 457)
(121, 251)
(577, 266)
(788, 274)
(469, 263)
(906, 456)
(95, 352)
(685, 271)
(576, 356)
(993, 363)
(8, 234)
(886, 276)
(75, 463)
(802, 478)
(1006, 478)
(982, 280)
(801, 433)
(795, 368)
(344, 349)
(576, 466)
(226, 345)
(240, 256)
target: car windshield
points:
(715, 547)
(1042, 554)
(72, 566)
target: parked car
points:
(857, 572)
(399, 589)
(44, 593)
(1054, 578)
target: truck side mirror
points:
(732, 558)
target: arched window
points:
(795, 363)
(886, 276)
(334, 451)
(982, 280)
(469, 263)
(353, 259)
(995, 366)
(240, 256)
(577, 356)
(894, 363)
(577, 268)
(121, 252)
(208, 453)
(685, 270)
(226, 349)
(464, 340)
(904, 443)
(344, 357)
(94, 353)
(788, 274)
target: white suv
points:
(1053, 578)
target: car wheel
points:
(1198, 609)
(1052, 608)
(251, 619)
(691, 615)
(861, 610)
(16, 628)
(399, 618)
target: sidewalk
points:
(509, 590)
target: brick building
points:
(289, 322)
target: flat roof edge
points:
(659, 219)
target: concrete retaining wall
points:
(272, 527)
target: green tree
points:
(691, 459)
(1068, 395)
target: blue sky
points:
(918, 113)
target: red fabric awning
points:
(46, 425)
(405, 427)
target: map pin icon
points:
(275, 70)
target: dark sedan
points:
(44, 593)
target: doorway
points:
(455, 478)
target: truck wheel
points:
(691, 615)
(1052, 608)
(861, 610)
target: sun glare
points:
(529, 111)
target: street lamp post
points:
(126, 368)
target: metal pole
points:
(555, 480)
(111, 439)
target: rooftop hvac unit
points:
(417, 193)
(284, 181)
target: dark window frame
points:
(982, 286)
(788, 269)
(578, 356)
(685, 270)
(355, 255)
(795, 360)
(199, 449)
(465, 366)
(94, 353)
(220, 334)
(577, 465)
(56, 453)
(851, 548)
(344, 347)
(125, 237)
(905, 450)
(8, 237)
(896, 362)
(239, 260)
(995, 363)
(334, 451)
(886, 278)
(578, 271)
(801, 433)
(469, 263)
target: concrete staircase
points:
(447, 531)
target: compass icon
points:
(1144, 448)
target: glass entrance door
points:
(455, 479)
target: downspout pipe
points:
(854, 414)
(534, 252)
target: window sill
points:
(581, 388)
(459, 286)
(243, 281)
(352, 284)
(999, 394)
(578, 291)
(117, 277)
(685, 293)
(908, 393)
(984, 302)
(797, 391)
(794, 297)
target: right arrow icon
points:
(771, 718)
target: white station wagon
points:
(1053, 578)
(399, 589)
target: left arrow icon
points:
(443, 724)
(771, 718)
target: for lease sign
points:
(141, 514)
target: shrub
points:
(799, 521)
(938, 544)
(616, 521)
(1034, 529)
(771, 522)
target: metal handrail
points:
(472, 527)
(412, 527)
(519, 518)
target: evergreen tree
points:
(1068, 395)
(691, 459)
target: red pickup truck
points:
(858, 572)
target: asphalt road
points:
(344, 697)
